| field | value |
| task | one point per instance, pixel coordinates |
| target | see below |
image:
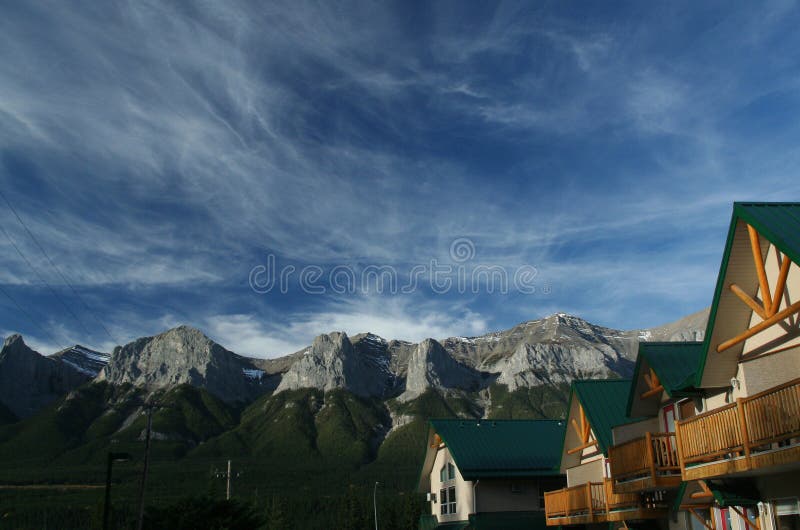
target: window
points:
(704, 514)
(752, 516)
(448, 472)
(447, 497)
(787, 514)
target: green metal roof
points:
(779, 222)
(502, 448)
(724, 496)
(675, 364)
(605, 403)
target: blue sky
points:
(158, 153)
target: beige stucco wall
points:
(763, 373)
(463, 490)
(496, 495)
(734, 316)
(572, 440)
(623, 433)
(590, 472)
(792, 294)
(715, 400)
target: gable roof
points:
(730, 494)
(605, 403)
(777, 222)
(502, 448)
(675, 364)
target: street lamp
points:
(375, 503)
(112, 457)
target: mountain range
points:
(342, 412)
(548, 351)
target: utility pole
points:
(146, 463)
(375, 503)
(228, 490)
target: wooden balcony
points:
(596, 502)
(645, 463)
(759, 432)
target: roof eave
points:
(712, 314)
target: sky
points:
(161, 163)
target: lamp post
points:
(112, 457)
(375, 503)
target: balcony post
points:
(743, 427)
(567, 501)
(679, 445)
(650, 456)
(589, 497)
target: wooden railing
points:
(750, 424)
(618, 501)
(589, 499)
(651, 455)
(584, 499)
(773, 416)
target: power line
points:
(41, 278)
(52, 263)
(23, 311)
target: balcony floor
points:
(635, 514)
(648, 483)
(771, 461)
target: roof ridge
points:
(504, 420)
(581, 381)
(767, 203)
(669, 342)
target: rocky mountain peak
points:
(184, 355)
(15, 345)
(333, 362)
(83, 359)
(30, 381)
(431, 366)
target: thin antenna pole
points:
(144, 468)
(228, 491)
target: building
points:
(644, 457)
(705, 436)
(490, 473)
(595, 407)
(740, 454)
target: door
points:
(669, 418)
(669, 426)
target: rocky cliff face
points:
(552, 350)
(30, 381)
(332, 362)
(84, 360)
(431, 366)
(185, 355)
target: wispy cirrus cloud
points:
(159, 151)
